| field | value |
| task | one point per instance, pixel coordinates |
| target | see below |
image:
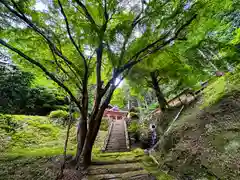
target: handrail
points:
(107, 137)
(168, 129)
(163, 137)
(126, 134)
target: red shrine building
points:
(113, 113)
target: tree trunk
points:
(82, 130)
(90, 139)
(94, 126)
(83, 127)
(81, 136)
(87, 151)
(155, 85)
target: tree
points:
(77, 44)
(161, 74)
(121, 96)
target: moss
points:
(58, 114)
(204, 141)
(152, 168)
(218, 87)
(99, 142)
(27, 169)
(38, 136)
(215, 91)
(118, 156)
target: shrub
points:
(134, 115)
(59, 114)
(19, 94)
(104, 125)
(133, 127)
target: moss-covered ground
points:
(205, 141)
(29, 145)
(32, 145)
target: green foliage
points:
(134, 115)
(134, 127)
(104, 125)
(68, 42)
(59, 114)
(124, 41)
(120, 97)
(153, 106)
(18, 97)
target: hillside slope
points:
(205, 141)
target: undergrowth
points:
(28, 142)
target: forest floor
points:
(34, 151)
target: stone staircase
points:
(121, 170)
(117, 139)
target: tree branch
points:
(85, 78)
(36, 63)
(70, 35)
(105, 10)
(135, 59)
(65, 72)
(136, 19)
(99, 53)
(87, 14)
(133, 24)
(39, 31)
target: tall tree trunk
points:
(81, 136)
(94, 126)
(91, 137)
(160, 97)
(82, 127)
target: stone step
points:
(121, 132)
(126, 175)
(116, 162)
(116, 145)
(115, 149)
(117, 141)
(116, 168)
